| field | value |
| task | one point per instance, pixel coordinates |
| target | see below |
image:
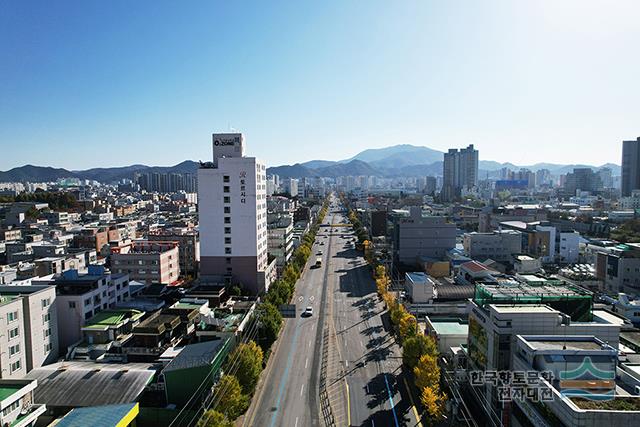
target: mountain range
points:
(397, 160)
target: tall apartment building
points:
(280, 239)
(630, 166)
(232, 198)
(28, 329)
(460, 171)
(148, 261)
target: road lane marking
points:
(306, 362)
(393, 409)
(301, 389)
(296, 425)
(346, 384)
(413, 405)
(285, 375)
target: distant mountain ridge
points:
(394, 161)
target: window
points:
(227, 199)
(227, 251)
(48, 347)
(227, 220)
(228, 260)
(46, 302)
(13, 316)
(14, 349)
(9, 409)
(87, 301)
(227, 209)
(226, 189)
(225, 178)
(227, 240)
(15, 366)
(46, 318)
(47, 332)
(14, 333)
(227, 230)
(72, 304)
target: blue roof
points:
(97, 416)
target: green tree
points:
(213, 418)
(433, 401)
(248, 359)
(228, 394)
(415, 347)
(427, 371)
(270, 323)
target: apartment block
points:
(80, 296)
(148, 261)
(29, 322)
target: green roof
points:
(187, 305)
(7, 390)
(105, 319)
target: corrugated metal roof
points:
(195, 355)
(82, 384)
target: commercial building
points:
(582, 386)
(188, 247)
(416, 237)
(280, 239)
(619, 267)
(496, 245)
(233, 215)
(420, 288)
(630, 166)
(148, 261)
(582, 179)
(460, 172)
(28, 328)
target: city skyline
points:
(321, 81)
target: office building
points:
(417, 237)
(630, 166)
(582, 179)
(460, 172)
(497, 245)
(232, 195)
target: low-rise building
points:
(17, 407)
(81, 296)
(148, 261)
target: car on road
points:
(308, 312)
(319, 253)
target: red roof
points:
(474, 266)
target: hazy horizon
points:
(91, 84)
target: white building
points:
(28, 329)
(419, 287)
(232, 193)
(569, 247)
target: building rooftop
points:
(523, 308)
(572, 344)
(449, 326)
(101, 416)
(80, 384)
(108, 318)
(6, 390)
(196, 355)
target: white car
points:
(307, 312)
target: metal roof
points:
(80, 384)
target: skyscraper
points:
(232, 195)
(460, 171)
(630, 166)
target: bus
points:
(318, 263)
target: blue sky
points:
(112, 83)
